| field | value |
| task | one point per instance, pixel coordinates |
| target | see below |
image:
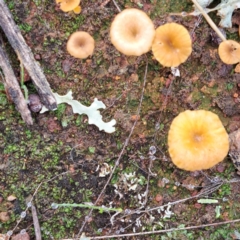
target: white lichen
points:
(94, 116)
(224, 10)
(105, 169)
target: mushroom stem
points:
(118, 8)
(209, 20)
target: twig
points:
(121, 153)
(23, 86)
(25, 55)
(37, 229)
(166, 230)
(209, 20)
(148, 180)
(164, 104)
(208, 190)
(116, 5)
(29, 204)
(12, 87)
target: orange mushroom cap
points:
(80, 45)
(172, 44)
(132, 32)
(229, 52)
(197, 140)
(68, 5)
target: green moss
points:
(221, 233)
(24, 27)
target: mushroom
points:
(68, 5)
(80, 45)
(197, 140)
(77, 9)
(132, 32)
(172, 44)
(229, 51)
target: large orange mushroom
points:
(197, 140)
(132, 32)
(172, 44)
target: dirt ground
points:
(63, 159)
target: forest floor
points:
(63, 159)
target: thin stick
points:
(23, 86)
(26, 57)
(160, 115)
(118, 8)
(166, 230)
(37, 229)
(12, 87)
(209, 20)
(35, 192)
(121, 153)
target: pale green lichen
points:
(94, 116)
(224, 9)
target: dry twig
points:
(37, 229)
(26, 57)
(164, 231)
(121, 153)
(209, 20)
(116, 5)
(12, 87)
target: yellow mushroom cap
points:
(132, 32)
(77, 10)
(80, 45)
(68, 5)
(197, 140)
(229, 52)
(172, 44)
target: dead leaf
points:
(4, 217)
(21, 236)
(11, 198)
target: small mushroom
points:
(68, 5)
(172, 44)
(132, 32)
(229, 51)
(80, 45)
(77, 10)
(197, 140)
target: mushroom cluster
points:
(197, 140)
(132, 33)
(69, 5)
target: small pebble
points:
(34, 103)
(235, 95)
(197, 205)
(159, 198)
(11, 198)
